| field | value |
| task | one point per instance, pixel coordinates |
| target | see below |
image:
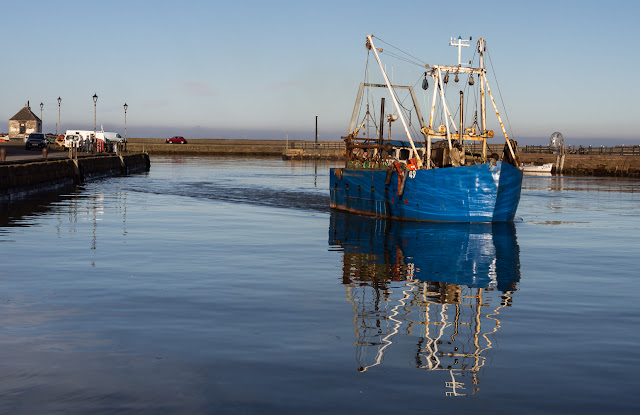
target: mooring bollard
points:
(3, 154)
(45, 152)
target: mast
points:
(380, 137)
(483, 105)
(445, 112)
(393, 98)
(461, 130)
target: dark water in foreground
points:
(218, 286)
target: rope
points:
(415, 61)
(470, 152)
(500, 93)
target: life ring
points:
(412, 164)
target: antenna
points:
(460, 43)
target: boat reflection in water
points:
(444, 284)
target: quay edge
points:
(599, 165)
(21, 179)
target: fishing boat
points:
(450, 174)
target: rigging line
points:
(500, 93)
(366, 79)
(393, 91)
(393, 55)
(370, 99)
(373, 111)
(401, 102)
(406, 97)
(468, 98)
(401, 51)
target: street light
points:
(95, 101)
(41, 127)
(58, 129)
(125, 125)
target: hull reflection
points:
(444, 285)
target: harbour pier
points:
(24, 176)
(619, 161)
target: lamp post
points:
(95, 101)
(41, 126)
(59, 128)
(125, 125)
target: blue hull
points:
(479, 193)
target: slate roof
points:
(25, 114)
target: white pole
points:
(395, 102)
(445, 109)
(433, 100)
(495, 107)
(483, 103)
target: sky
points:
(266, 69)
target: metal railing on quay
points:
(633, 150)
(310, 145)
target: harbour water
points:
(227, 286)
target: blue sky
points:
(257, 69)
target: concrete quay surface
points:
(15, 151)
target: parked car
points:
(51, 138)
(176, 140)
(36, 140)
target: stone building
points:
(24, 123)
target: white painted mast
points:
(459, 45)
(393, 97)
(445, 111)
(483, 103)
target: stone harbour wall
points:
(23, 179)
(574, 164)
(589, 165)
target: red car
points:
(176, 140)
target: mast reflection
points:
(444, 285)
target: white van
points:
(77, 138)
(112, 137)
(73, 140)
(107, 136)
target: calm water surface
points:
(226, 286)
